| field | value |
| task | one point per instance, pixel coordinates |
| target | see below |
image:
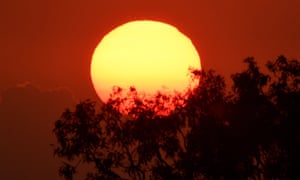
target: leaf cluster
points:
(250, 132)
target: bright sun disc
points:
(149, 55)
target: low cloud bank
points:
(27, 116)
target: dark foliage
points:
(251, 132)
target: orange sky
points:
(50, 43)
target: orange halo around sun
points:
(149, 55)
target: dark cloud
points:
(27, 115)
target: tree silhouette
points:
(249, 132)
(285, 94)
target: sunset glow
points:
(149, 55)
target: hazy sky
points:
(50, 43)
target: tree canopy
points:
(251, 131)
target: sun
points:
(152, 56)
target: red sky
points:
(50, 43)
